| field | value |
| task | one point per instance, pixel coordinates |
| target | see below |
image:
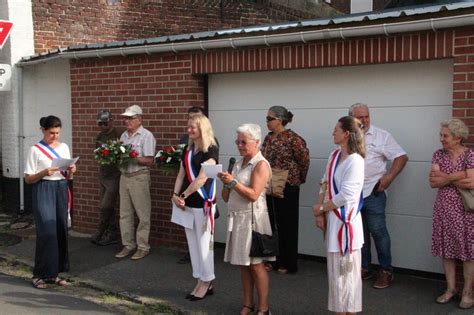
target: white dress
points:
(239, 231)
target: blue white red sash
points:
(208, 197)
(50, 152)
(346, 233)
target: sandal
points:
(39, 283)
(250, 308)
(61, 282)
(282, 271)
(446, 297)
(58, 281)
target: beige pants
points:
(135, 198)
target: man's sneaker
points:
(95, 238)
(366, 275)
(124, 253)
(140, 253)
(186, 259)
(108, 239)
(384, 279)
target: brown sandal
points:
(61, 282)
(248, 307)
(39, 283)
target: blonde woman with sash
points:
(339, 216)
(196, 193)
(51, 199)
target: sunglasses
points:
(270, 118)
(241, 142)
(102, 123)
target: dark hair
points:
(356, 142)
(282, 113)
(196, 109)
(50, 122)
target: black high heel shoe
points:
(210, 291)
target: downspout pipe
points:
(343, 33)
(21, 139)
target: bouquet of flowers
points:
(168, 160)
(115, 153)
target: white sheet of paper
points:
(183, 218)
(211, 171)
(63, 164)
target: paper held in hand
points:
(211, 171)
(182, 217)
(63, 164)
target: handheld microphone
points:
(231, 164)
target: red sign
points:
(5, 28)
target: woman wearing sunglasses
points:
(286, 150)
(244, 191)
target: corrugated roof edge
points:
(351, 18)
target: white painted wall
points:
(408, 99)
(19, 44)
(47, 91)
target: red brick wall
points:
(165, 88)
(64, 23)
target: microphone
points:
(231, 164)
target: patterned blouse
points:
(288, 151)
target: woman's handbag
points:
(264, 245)
(467, 195)
(278, 182)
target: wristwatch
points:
(182, 196)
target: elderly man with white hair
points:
(381, 147)
(135, 186)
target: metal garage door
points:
(408, 99)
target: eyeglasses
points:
(270, 118)
(242, 142)
(103, 123)
(130, 118)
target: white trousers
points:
(345, 290)
(201, 246)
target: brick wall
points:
(165, 88)
(64, 23)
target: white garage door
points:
(408, 99)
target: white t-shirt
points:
(38, 161)
(381, 147)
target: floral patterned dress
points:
(453, 227)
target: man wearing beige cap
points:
(135, 186)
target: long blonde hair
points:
(207, 134)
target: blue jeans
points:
(373, 219)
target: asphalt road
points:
(18, 296)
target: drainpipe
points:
(21, 139)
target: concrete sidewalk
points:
(160, 277)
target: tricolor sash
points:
(345, 234)
(47, 150)
(208, 197)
